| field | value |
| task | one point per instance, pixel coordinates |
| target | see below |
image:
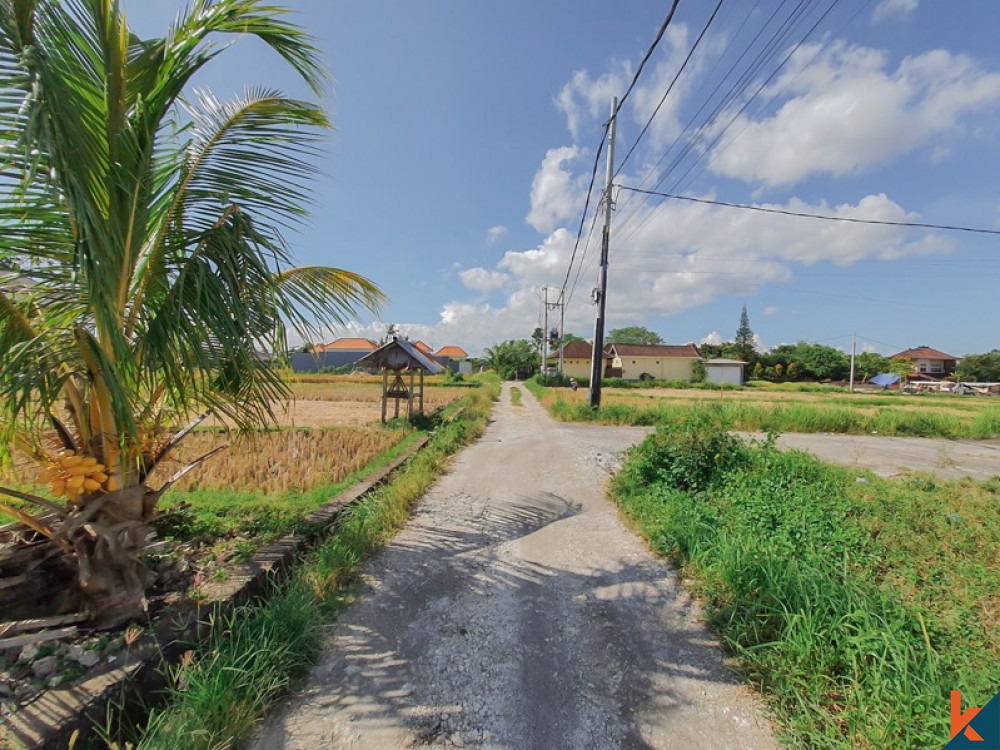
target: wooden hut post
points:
(409, 401)
(421, 391)
(385, 391)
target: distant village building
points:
(928, 361)
(660, 361)
(725, 371)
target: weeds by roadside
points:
(515, 396)
(860, 418)
(856, 605)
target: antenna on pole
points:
(600, 293)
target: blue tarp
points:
(886, 378)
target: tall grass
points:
(264, 646)
(857, 607)
(790, 417)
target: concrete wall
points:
(661, 368)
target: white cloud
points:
(846, 112)
(714, 338)
(590, 97)
(493, 234)
(889, 8)
(482, 280)
(555, 194)
(771, 310)
(684, 255)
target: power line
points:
(600, 148)
(804, 215)
(645, 59)
(670, 88)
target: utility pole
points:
(597, 358)
(854, 348)
(562, 327)
(545, 336)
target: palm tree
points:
(145, 229)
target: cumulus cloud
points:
(846, 111)
(714, 338)
(555, 194)
(771, 310)
(890, 8)
(586, 97)
(482, 280)
(493, 234)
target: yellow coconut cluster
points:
(72, 475)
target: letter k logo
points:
(960, 721)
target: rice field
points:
(283, 460)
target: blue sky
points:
(466, 132)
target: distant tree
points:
(979, 368)
(869, 364)
(391, 331)
(512, 359)
(792, 371)
(903, 367)
(758, 371)
(634, 335)
(538, 338)
(569, 338)
(779, 370)
(814, 361)
(744, 340)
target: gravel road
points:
(515, 610)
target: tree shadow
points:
(461, 633)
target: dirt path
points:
(516, 611)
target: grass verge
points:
(515, 396)
(854, 419)
(857, 606)
(250, 661)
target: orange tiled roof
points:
(455, 352)
(420, 346)
(347, 343)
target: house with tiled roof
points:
(452, 352)
(423, 348)
(928, 361)
(658, 361)
(576, 359)
(348, 344)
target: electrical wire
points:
(804, 215)
(670, 88)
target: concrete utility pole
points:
(854, 348)
(545, 335)
(597, 358)
(562, 327)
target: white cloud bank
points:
(845, 112)
(555, 194)
(494, 234)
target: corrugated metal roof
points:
(399, 355)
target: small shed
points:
(724, 371)
(400, 357)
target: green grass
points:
(858, 418)
(856, 606)
(515, 396)
(260, 650)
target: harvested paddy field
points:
(340, 400)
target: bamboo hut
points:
(401, 358)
